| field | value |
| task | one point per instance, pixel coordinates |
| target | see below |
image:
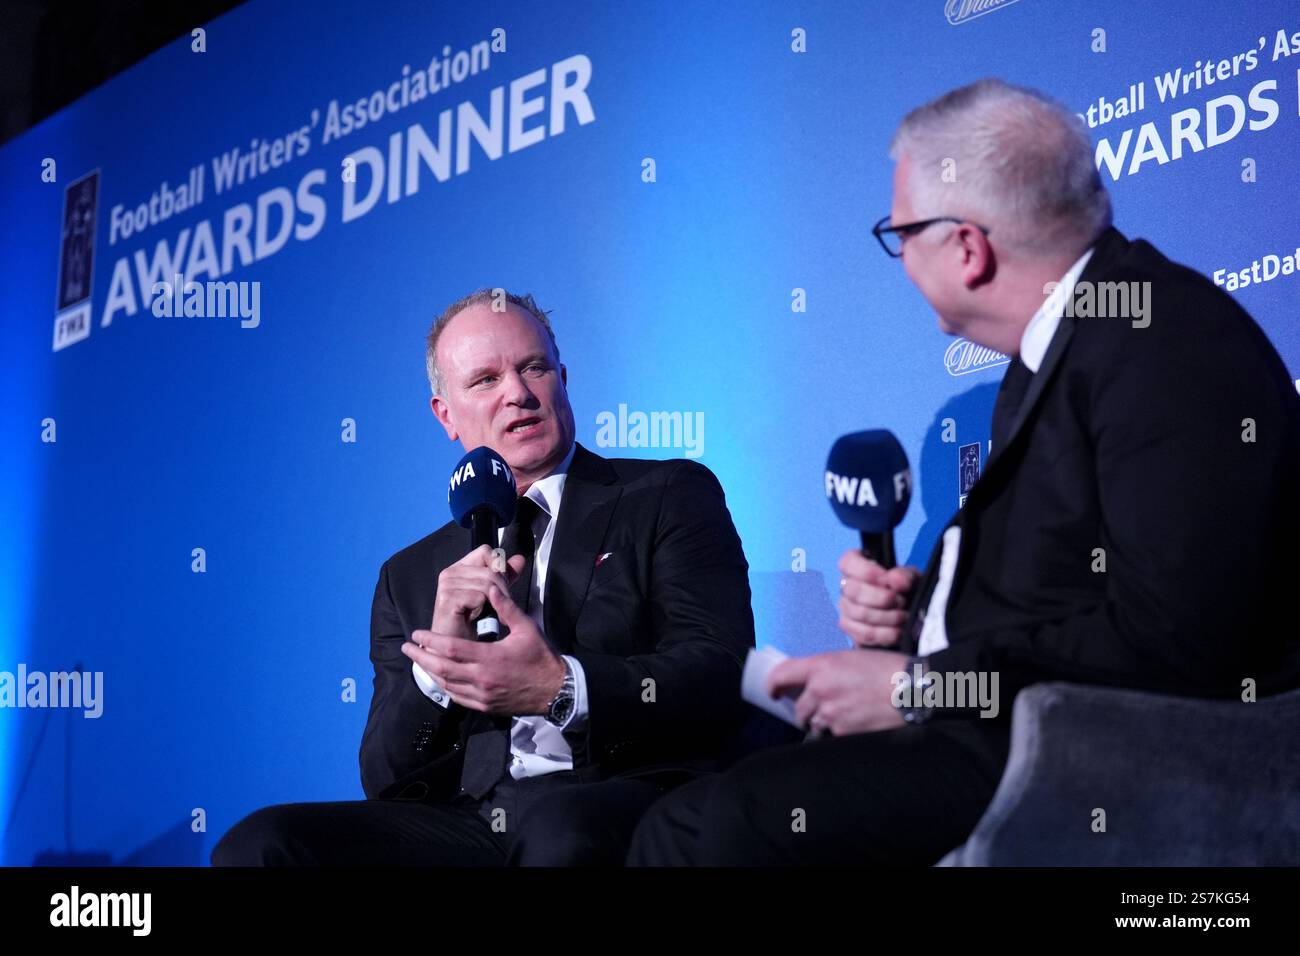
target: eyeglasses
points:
(891, 237)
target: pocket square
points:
(600, 559)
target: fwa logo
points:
(968, 470)
(959, 11)
(76, 261)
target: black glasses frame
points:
(911, 229)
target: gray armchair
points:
(1181, 781)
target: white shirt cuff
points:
(431, 687)
(578, 719)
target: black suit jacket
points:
(670, 604)
(1130, 440)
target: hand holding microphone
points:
(518, 675)
(869, 486)
(463, 587)
(462, 650)
(873, 599)
(482, 495)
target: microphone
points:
(482, 496)
(869, 485)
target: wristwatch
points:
(562, 705)
(919, 675)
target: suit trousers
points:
(904, 796)
(551, 820)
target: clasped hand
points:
(515, 676)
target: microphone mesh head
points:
(868, 481)
(482, 479)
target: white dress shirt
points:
(1034, 341)
(537, 746)
(1039, 332)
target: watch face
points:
(561, 709)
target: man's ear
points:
(977, 261)
(442, 412)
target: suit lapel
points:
(1109, 246)
(591, 493)
(1037, 384)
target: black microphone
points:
(869, 485)
(482, 495)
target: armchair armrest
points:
(1098, 776)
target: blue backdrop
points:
(688, 187)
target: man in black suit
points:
(1134, 527)
(625, 593)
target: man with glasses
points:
(1134, 526)
(891, 237)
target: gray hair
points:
(498, 297)
(1017, 162)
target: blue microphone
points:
(482, 495)
(869, 485)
